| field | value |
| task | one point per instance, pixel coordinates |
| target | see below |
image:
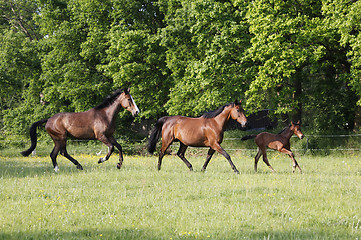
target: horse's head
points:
(128, 103)
(296, 128)
(237, 113)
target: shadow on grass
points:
(152, 234)
(82, 234)
(27, 167)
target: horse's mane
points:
(284, 129)
(109, 100)
(296, 124)
(215, 113)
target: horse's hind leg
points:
(265, 159)
(60, 146)
(256, 159)
(180, 154)
(54, 154)
(161, 155)
(166, 142)
(66, 154)
(208, 159)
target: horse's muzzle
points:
(135, 113)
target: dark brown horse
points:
(279, 142)
(205, 131)
(96, 123)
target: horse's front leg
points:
(110, 146)
(219, 149)
(208, 159)
(117, 145)
(292, 156)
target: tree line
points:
(299, 58)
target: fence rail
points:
(307, 148)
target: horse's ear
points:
(128, 90)
(237, 102)
(299, 122)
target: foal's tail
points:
(33, 137)
(248, 137)
(154, 136)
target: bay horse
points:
(96, 123)
(279, 142)
(204, 131)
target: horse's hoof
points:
(236, 172)
(79, 167)
(119, 165)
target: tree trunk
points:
(296, 97)
(357, 120)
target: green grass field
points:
(138, 202)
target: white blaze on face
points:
(135, 105)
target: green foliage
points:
(135, 58)
(286, 39)
(206, 60)
(181, 57)
(344, 17)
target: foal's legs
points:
(256, 159)
(181, 151)
(219, 149)
(292, 156)
(265, 159)
(208, 159)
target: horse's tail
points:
(154, 136)
(248, 137)
(33, 137)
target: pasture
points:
(139, 202)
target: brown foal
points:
(279, 142)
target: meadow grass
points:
(139, 202)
